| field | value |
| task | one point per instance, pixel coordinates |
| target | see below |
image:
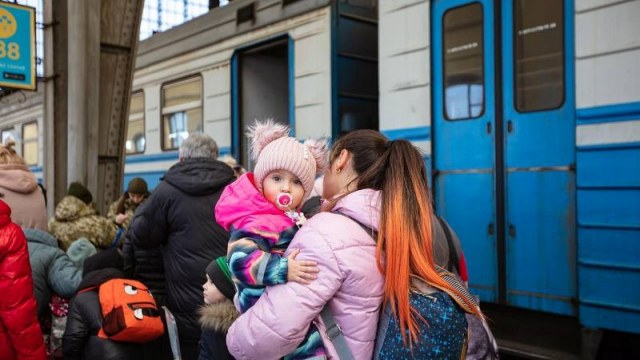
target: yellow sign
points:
(17, 46)
(8, 24)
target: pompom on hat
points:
(273, 149)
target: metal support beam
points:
(87, 106)
(120, 26)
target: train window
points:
(30, 143)
(463, 62)
(539, 54)
(8, 134)
(181, 111)
(135, 143)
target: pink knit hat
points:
(273, 149)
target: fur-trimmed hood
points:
(218, 317)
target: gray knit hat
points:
(80, 250)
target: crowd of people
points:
(317, 253)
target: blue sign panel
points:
(17, 47)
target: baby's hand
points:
(301, 272)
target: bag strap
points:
(91, 288)
(454, 260)
(452, 280)
(333, 329)
(369, 230)
(116, 241)
(334, 332)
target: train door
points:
(262, 87)
(503, 138)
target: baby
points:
(261, 211)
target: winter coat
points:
(216, 320)
(349, 282)
(179, 218)
(260, 233)
(145, 265)
(75, 219)
(129, 209)
(21, 192)
(20, 334)
(51, 268)
(80, 340)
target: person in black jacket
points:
(146, 266)
(80, 340)
(178, 217)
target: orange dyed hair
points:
(404, 244)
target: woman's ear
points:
(342, 160)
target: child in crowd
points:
(261, 211)
(219, 312)
(81, 338)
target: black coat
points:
(179, 218)
(80, 340)
(145, 265)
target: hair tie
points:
(387, 146)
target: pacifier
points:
(284, 199)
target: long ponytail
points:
(404, 244)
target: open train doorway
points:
(262, 88)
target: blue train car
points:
(530, 114)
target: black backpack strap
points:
(454, 260)
(372, 232)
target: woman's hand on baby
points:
(302, 272)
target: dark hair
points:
(397, 168)
(368, 150)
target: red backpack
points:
(129, 311)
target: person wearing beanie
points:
(122, 210)
(75, 217)
(80, 250)
(262, 212)
(218, 313)
(53, 271)
(78, 190)
(56, 278)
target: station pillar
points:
(90, 55)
